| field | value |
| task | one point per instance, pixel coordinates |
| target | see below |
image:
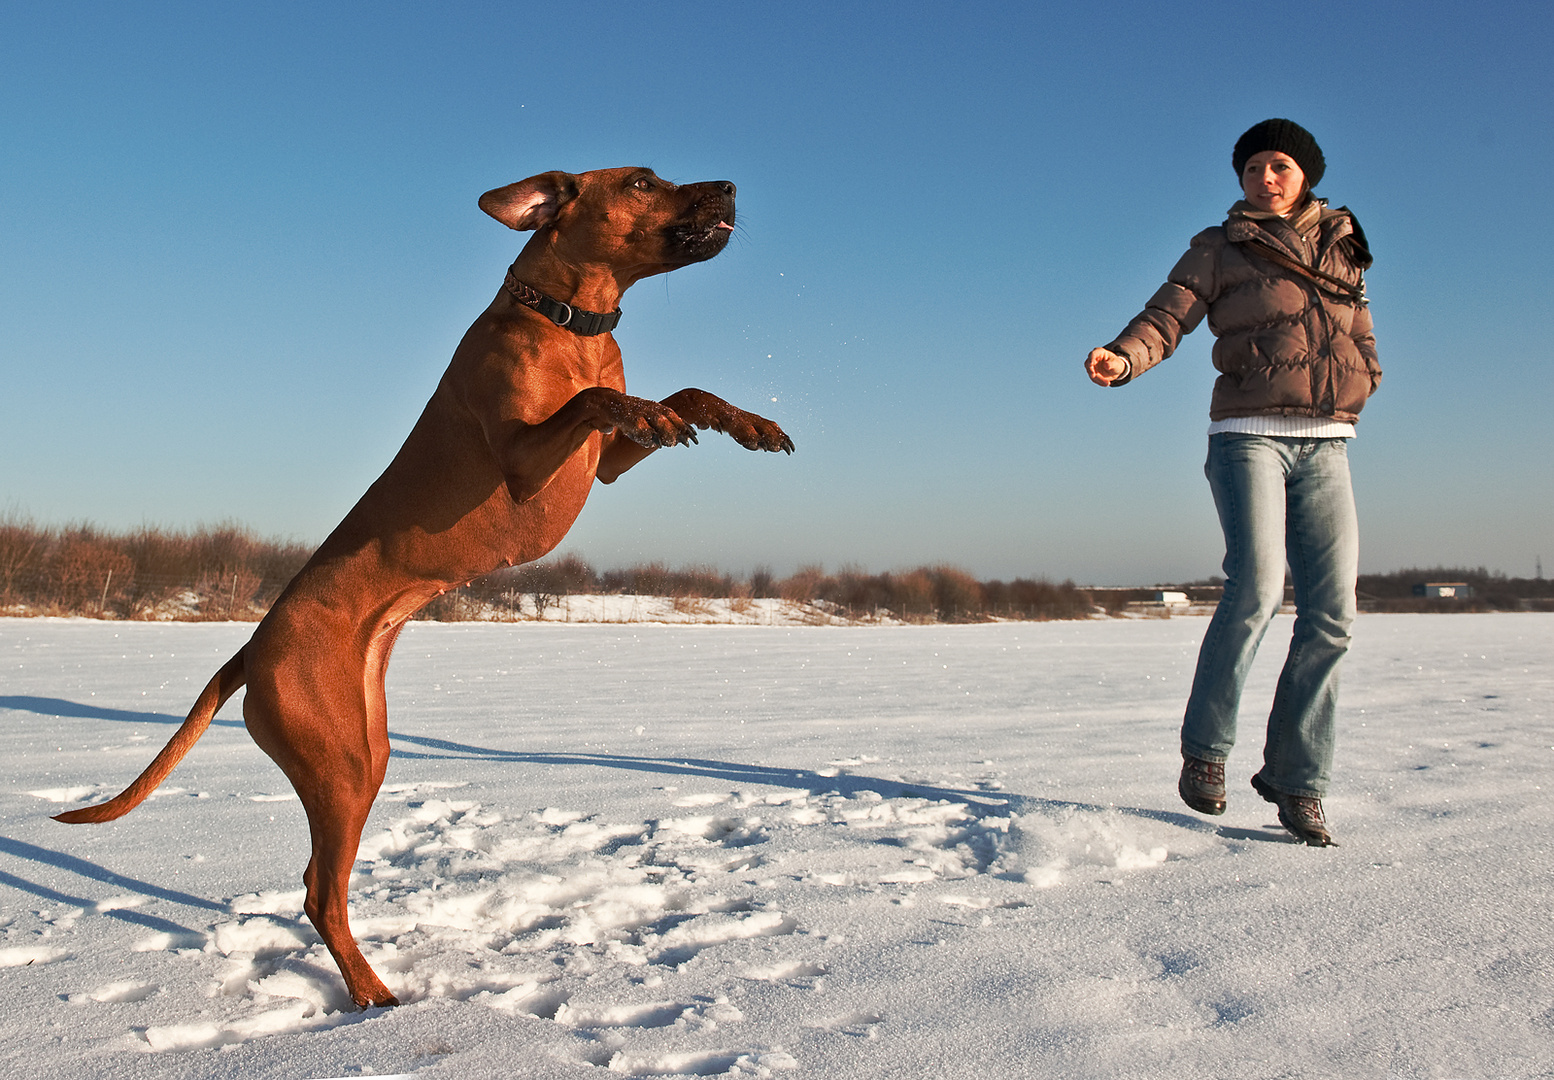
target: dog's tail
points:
(221, 686)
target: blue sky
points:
(241, 242)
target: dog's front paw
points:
(755, 432)
(746, 428)
(647, 423)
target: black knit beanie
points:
(1287, 137)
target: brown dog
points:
(530, 412)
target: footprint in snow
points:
(524, 914)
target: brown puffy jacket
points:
(1284, 347)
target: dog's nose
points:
(725, 186)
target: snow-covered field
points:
(791, 852)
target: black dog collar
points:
(580, 322)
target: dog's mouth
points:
(695, 241)
(706, 225)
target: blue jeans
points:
(1279, 498)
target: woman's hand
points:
(1105, 367)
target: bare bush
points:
(805, 585)
(762, 584)
(227, 594)
(563, 576)
(23, 549)
(657, 579)
(81, 569)
(957, 596)
(455, 605)
(222, 573)
(1026, 599)
(228, 572)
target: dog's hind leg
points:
(335, 751)
(336, 772)
(337, 775)
(337, 812)
(336, 824)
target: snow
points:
(783, 851)
(631, 608)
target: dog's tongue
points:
(724, 225)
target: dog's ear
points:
(530, 203)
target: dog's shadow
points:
(34, 853)
(980, 803)
(20, 849)
(77, 710)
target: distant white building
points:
(1444, 590)
(1170, 596)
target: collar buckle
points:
(579, 321)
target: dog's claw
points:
(772, 442)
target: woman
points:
(1281, 283)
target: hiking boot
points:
(1300, 814)
(1202, 785)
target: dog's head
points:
(628, 219)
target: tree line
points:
(227, 572)
(1489, 591)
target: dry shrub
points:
(762, 584)
(918, 595)
(657, 579)
(957, 596)
(563, 576)
(228, 595)
(644, 579)
(23, 550)
(939, 593)
(804, 586)
(82, 569)
(208, 560)
(912, 595)
(703, 582)
(1024, 598)
(455, 605)
(227, 572)
(692, 605)
(859, 593)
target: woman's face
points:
(1273, 182)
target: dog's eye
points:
(643, 184)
